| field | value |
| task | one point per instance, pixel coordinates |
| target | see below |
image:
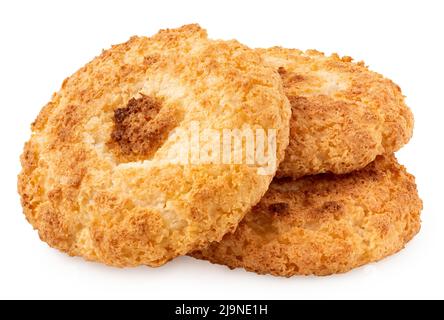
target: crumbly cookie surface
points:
(93, 183)
(325, 224)
(343, 115)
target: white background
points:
(42, 42)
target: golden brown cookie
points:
(325, 224)
(99, 176)
(343, 114)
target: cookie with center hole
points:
(124, 167)
(325, 224)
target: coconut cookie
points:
(325, 224)
(105, 175)
(343, 114)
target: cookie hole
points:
(278, 208)
(141, 128)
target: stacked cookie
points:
(278, 161)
